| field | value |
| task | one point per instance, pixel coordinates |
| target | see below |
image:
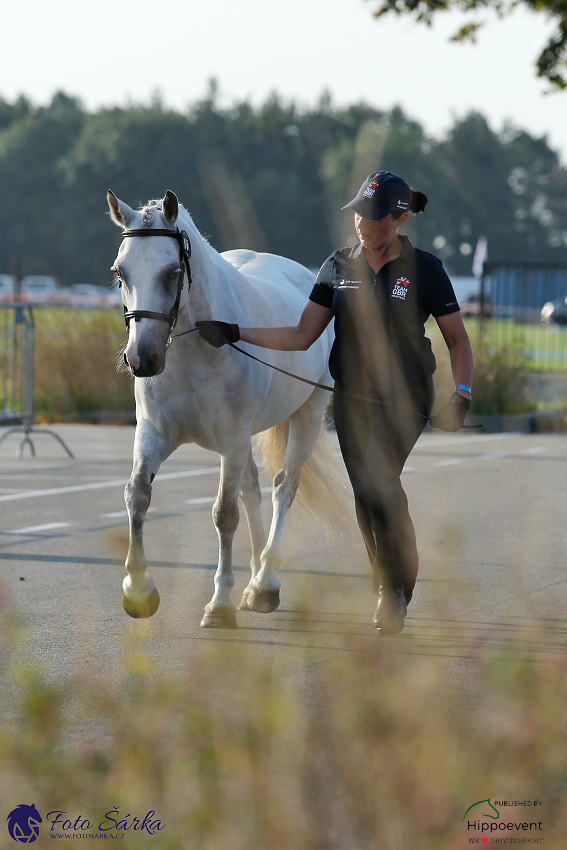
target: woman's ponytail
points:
(418, 201)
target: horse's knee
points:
(138, 490)
(226, 516)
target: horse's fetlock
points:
(226, 582)
(137, 579)
(135, 566)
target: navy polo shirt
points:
(380, 344)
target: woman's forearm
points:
(462, 363)
(278, 339)
(312, 323)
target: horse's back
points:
(271, 269)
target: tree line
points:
(271, 178)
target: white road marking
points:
(209, 500)
(431, 441)
(452, 461)
(115, 514)
(203, 500)
(533, 450)
(32, 529)
(102, 485)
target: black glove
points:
(218, 333)
(452, 415)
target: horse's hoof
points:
(219, 618)
(244, 606)
(263, 601)
(140, 607)
(139, 604)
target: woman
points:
(380, 294)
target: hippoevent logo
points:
(23, 823)
(504, 822)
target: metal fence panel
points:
(524, 306)
(16, 363)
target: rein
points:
(184, 243)
(321, 386)
(171, 318)
(332, 389)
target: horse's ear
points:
(170, 208)
(120, 213)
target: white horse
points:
(217, 398)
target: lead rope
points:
(320, 386)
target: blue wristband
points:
(463, 387)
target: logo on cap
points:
(370, 189)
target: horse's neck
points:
(216, 281)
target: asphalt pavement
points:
(489, 512)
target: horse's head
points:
(150, 272)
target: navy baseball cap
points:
(380, 194)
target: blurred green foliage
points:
(272, 177)
(374, 748)
(76, 354)
(501, 373)
(501, 383)
(550, 63)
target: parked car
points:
(6, 287)
(554, 312)
(89, 295)
(38, 288)
(471, 307)
(84, 295)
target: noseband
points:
(184, 267)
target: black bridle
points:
(184, 267)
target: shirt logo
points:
(349, 284)
(400, 288)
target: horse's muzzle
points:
(149, 367)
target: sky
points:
(111, 52)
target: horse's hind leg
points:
(220, 611)
(139, 594)
(251, 498)
(304, 427)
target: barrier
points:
(524, 305)
(17, 330)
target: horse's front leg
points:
(220, 611)
(139, 594)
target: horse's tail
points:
(323, 491)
